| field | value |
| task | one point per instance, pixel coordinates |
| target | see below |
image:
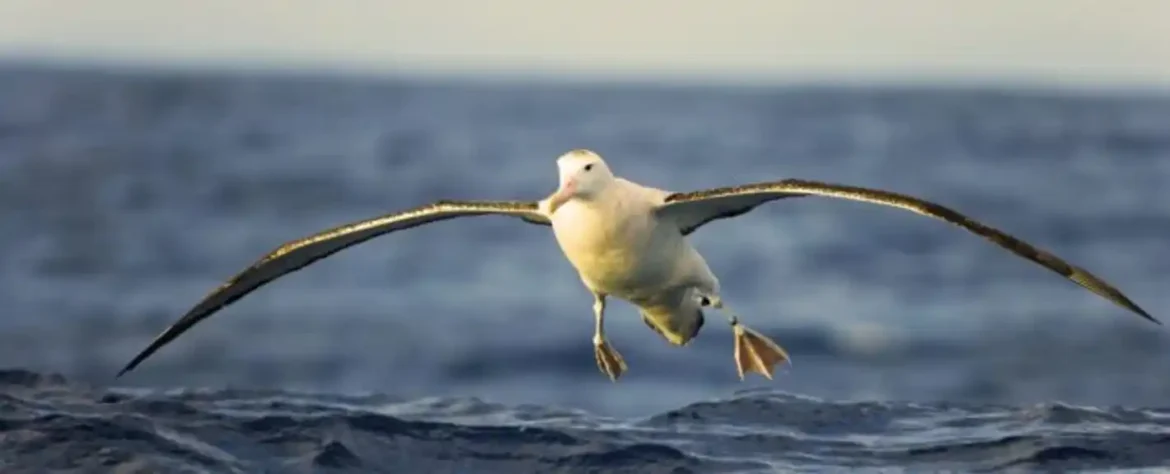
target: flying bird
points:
(626, 241)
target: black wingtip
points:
(167, 336)
(1141, 312)
(133, 363)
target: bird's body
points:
(621, 248)
(627, 241)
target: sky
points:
(1078, 41)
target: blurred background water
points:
(128, 196)
(136, 175)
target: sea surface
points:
(464, 346)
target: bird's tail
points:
(678, 326)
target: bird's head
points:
(582, 174)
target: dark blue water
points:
(465, 346)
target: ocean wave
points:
(51, 424)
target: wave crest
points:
(50, 424)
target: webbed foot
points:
(755, 352)
(608, 359)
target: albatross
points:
(626, 241)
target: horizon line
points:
(664, 78)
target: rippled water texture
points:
(126, 197)
(53, 426)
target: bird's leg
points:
(754, 352)
(608, 359)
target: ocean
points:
(465, 346)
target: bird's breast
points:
(620, 252)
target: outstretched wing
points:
(692, 210)
(297, 254)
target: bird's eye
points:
(589, 167)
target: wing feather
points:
(297, 254)
(692, 210)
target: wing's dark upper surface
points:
(297, 254)
(692, 210)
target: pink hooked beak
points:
(563, 194)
